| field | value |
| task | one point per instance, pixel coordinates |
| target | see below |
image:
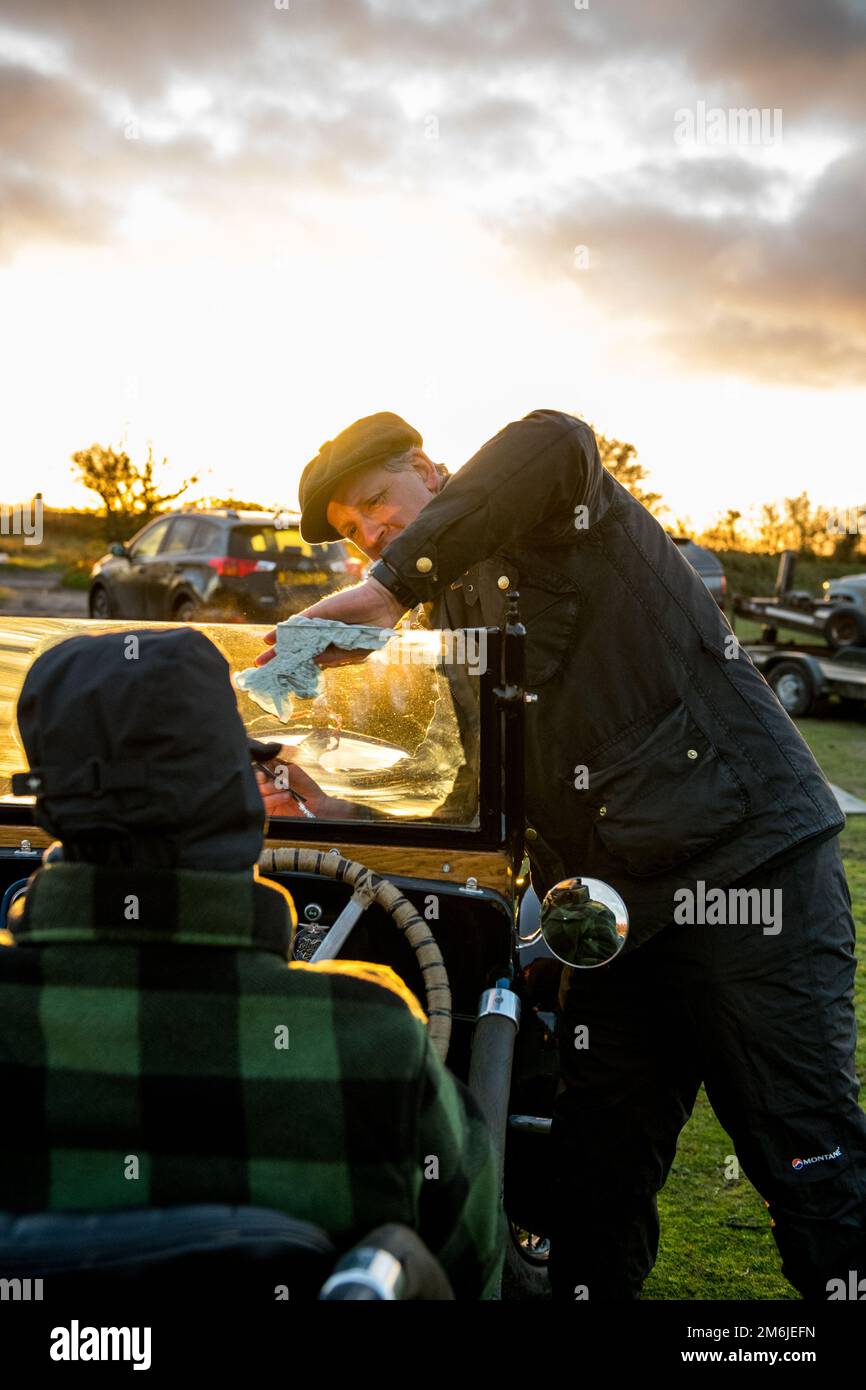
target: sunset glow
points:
(207, 247)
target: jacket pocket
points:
(549, 608)
(672, 797)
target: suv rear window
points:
(267, 540)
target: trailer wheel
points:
(793, 687)
(845, 627)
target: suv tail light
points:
(230, 568)
(723, 588)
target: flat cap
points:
(372, 439)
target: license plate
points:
(302, 577)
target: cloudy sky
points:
(233, 226)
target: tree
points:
(722, 535)
(807, 528)
(130, 494)
(849, 545)
(729, 523)
(798, 521)
(621, 460)
(771, 529)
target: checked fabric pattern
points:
(139, 1019)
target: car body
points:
(236, 565)
(393, 744)
(706, 564)
(849, 589)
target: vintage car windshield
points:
(396, 735)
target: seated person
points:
(156, 1045)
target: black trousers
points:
(766, 1022)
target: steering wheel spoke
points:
(340, 931)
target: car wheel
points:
(524, 1275)
(184, 611)
(845, 627)
(793, 687)
(99, 604)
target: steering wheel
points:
(13, 892)
(368, 888)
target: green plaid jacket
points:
(156, 1048)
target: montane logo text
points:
(817, 1158)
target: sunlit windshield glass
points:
(396, 735)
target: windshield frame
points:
(500, 786)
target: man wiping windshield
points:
(659, 760)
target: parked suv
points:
(190, 565)
(706, 564)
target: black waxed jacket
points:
(656, 753)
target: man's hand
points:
(369, 602)
(288, 776)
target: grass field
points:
(715, 1235)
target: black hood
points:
(138, 732)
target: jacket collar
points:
(87, 902)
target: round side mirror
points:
(584, 922)
(117, 549)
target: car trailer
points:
(840, 623)
(804, 677)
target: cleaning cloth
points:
(293, 669)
